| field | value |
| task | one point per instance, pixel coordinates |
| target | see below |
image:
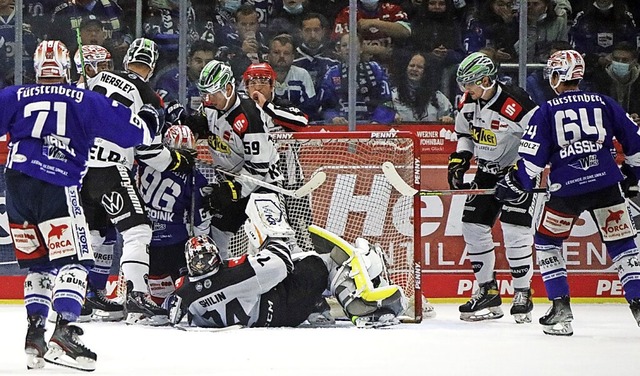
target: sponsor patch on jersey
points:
(58, 237)
(240, 124)
(484, 136)
(25, 240)
(528, 147)
(510, 109)
(112, 203)
(236, 261)
(614, 222)
(586, 163)
(556, 224)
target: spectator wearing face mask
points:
(619, 79)
(288, 19)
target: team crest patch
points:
(240, 124)
(510, 109)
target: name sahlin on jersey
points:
(484, 136)
(218, 144)
(580, 147)
(212, 299)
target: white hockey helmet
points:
(144, 51)
(93, 55)
(179, 137)
(51, 60)
(202, 255)
(567, 65)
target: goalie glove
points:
(459, 163)
(509, 190)
(152, 118)
(182, 160)
(219, 196)
(266, 220)
(630, 183)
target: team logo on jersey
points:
(113, 203)
(586, 163)
(484, 136)
(240, 124)
(511, 109)
(468, 116)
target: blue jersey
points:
(53, 127)
(167, 197)
(574, 134)
(168, 85)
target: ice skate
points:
(66, 348)
(99, 307)
(557, 321)
(635, 309)
(522, 305)
(380, 318)
(142, 310)
(428, 310)
(484, 304)
(321, 316)
(34, 345)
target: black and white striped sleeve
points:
(290, 118)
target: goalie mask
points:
(51, 60)
(179, 137)
(202, 255)
(567, 65)
(97, 57)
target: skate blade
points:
(559, 329)
(491, 313)
(522, 318)
(56, 355)
(383, 321)
(142, 319)
(34, 359)
(100, 315)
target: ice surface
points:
(606, 342)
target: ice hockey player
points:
(52, 126)
(109, 193)
(275, 288)
(574, 134)
(172, 209)
(238, 134)
(491, 120)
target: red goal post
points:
(356, 200)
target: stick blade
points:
(396, 180)
(314, 183)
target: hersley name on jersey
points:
(117, 82)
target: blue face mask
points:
(620, 69)
(231, 5)
(370, 4)
(294, 9)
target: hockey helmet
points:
(144, 51)
(179, 137)
(93, 55)
(568, 64)
(474, 68)
(259, 70)
(51, 60)
(214, 77)
(202, 255)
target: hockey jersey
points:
(574, 133)
(492, 129)
(52, 128)
(240, 143)
(130, 90)
(235, 294)
(167, 197)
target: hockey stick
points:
(314, 183)
(405, 189)
(185, 328)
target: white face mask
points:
(620, 69)
(293, 9)
(232, 5)
(370, 4)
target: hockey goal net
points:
(356, 200)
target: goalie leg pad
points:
(135, 255)
(69, 291)
(38, 291)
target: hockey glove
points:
(198, 124)
(182, 160)
(220, 196)
(509, 190)
(459, 163)
(151, 117)
(630, 183)
(175, 113)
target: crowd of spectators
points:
(408, 49)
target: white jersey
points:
(130, 90)
(240, 143)
(492, 129)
